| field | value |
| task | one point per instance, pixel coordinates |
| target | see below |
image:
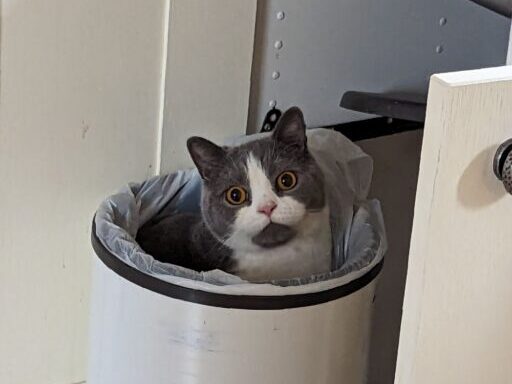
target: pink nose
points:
(267, 208)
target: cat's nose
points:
(267, 208)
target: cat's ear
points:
(291, 129)
(207, 156)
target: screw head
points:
(280, 15)
(278, 44)
(276, 75)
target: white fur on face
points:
(249, 222)
(306, 254)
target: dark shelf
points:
(372, 128)
(397, 106)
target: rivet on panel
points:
(272, 103)
(439, 49)
(442, 21)
(278, 44)
(280, 15)
(275, 75)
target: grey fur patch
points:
(184, 240)
(274, 235)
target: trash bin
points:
(158, 323)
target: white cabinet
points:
(456, 325)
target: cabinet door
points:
(457, 314)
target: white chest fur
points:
(308, 253)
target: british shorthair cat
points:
(264, 214)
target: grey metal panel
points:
(509, 55)
(332, 46)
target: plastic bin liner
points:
(359, 240)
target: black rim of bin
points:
(254, 302)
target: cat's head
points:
(258, 194)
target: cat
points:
(264, 210)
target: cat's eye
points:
(236, 195)
(286, 181)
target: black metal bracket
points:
(270, 120)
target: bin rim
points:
(223, 300)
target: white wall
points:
(79, 107)
(208, 74)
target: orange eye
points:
(236, 195)
(286, 181)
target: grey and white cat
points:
(264, 211)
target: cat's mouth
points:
(274, 235)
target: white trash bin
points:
(156, 323)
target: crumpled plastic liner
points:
(359, 240)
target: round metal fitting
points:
(502, 164)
